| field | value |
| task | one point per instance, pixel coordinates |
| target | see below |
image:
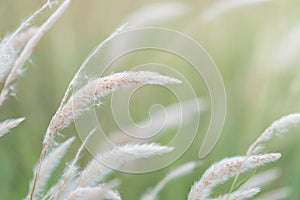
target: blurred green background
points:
(243, 43)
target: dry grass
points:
(89, 182)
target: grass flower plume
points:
(76, 180)
(85, 97)
(9, 124)
(277, 128)
(225, 169)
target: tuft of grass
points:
(89, 181)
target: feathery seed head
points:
(227, 168)
(96, 171)
(82, 100)
(239, 194)
(277, 128)
(9, 124)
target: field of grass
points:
(255, 47)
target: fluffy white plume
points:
(240, 194)
(49, 163)
(95, 171)
(261, 179)
(9, 124)
(65, 185)
(14, 42)
(278, 194)
(10, 49)
(84, 98)
(278, 127)
(227, 168)
(94, 193)
(29, 47)
(67, 182)
(182, 170)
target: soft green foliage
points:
(244, 43)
